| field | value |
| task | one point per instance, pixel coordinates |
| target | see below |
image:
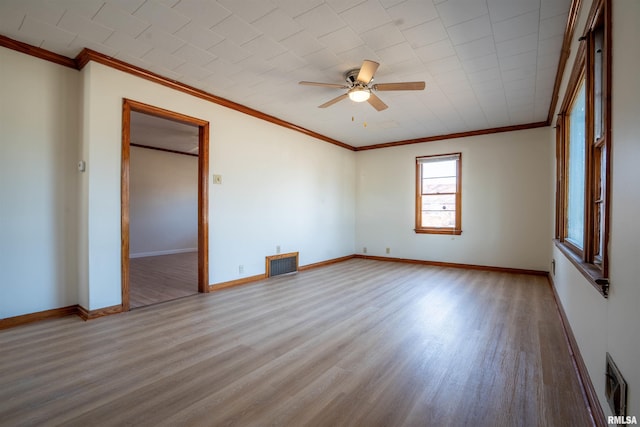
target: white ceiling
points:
(487, 63)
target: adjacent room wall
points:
(279, 187)
(38, 196)
(611, 325)
(506, 212)
(163, 191)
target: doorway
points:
(174, 269)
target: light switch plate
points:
(217, 179)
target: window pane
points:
(598, 78)
(599, 165)
(597, 233)
(437, 169)
(439, 185)
(439, 202)
(444, 219)
(576, 170)
(439, 210)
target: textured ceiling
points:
(486, 63)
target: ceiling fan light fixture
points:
(359, 86)
(359, 94)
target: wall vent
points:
(616, 389)
(282, 264)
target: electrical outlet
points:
(217, 179)
(364, 250)
(388, 250)
(278, 249)
(241, 269)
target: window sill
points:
(592, 273)
(448, 231)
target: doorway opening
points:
(164, 222)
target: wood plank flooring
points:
(162, 278)
(358, 343)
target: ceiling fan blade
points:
(400, 86)
(335, 85)
(377, 103)
(333, 101)
(367, 71)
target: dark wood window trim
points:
(447, 231)
(592, 259)
(457, 230)
(590, 272)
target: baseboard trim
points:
(23, 319)
(106, 311)
(233, 283)
(588, 391)
(251, 279)
(94, 314)
(325, 263)
(54, 313)
(454, 265)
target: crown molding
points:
(88, 55)
(454, 135)
(38, 52)
(572, 20)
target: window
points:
(438, 194)
(576, 169)
(582, 152)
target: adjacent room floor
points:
(358, 343)
(162, 278)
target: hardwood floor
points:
(162, 278)
(358, 343)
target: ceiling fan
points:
(360, 89)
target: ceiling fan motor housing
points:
(352, 77)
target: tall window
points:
(438, 194)
(576, 169)
(600, 139)
(583, 147)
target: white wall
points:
(623, 313)
(613, 325)
(38, 184)
(505, 201)
(279, 187)
(163, 193)
(83, 198)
